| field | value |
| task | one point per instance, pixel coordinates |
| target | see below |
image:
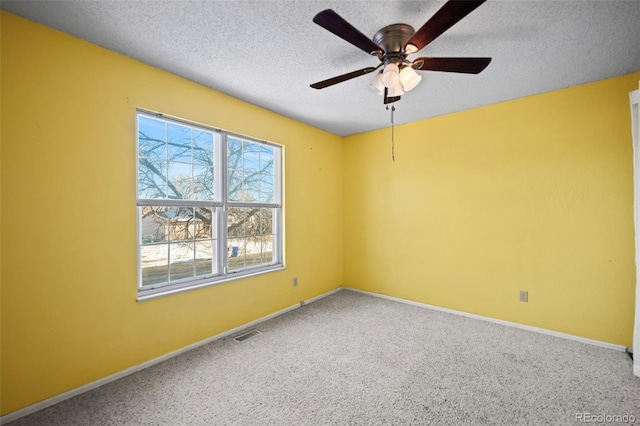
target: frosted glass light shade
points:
(409, 78)
(410, 48)
(390, 75)
(376, 85)
(395, 90)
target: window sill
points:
(144, 295)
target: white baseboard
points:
(113, 377)
(322, 296)
(636, 368)
(498, 321)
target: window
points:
(209, 205)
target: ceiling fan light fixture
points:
(409, 78)
(391, 75)
(376, 85)
(396, 90)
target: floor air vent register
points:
(245, 336)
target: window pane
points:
(234, 187)
(249, 222)
(205, 258)
(154, 225)
(236, 221)
(182, 257)
(266, 222)
(151, 178)
(266, 189)
(182, 226)
(151, 138)
(203, 147)
(154, 265)
(267, 249)
(253, 252)
(178, 143)
(235, 169)
(203, 183)
(203, 223)
(180, 181)
(234, 153)
(250, 186)
(266, 159)
(235, 253)
(251, 156)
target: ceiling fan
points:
(393, 43)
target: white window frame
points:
(220, 206)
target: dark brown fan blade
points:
(331, 21)
(445, 18)
(463, 65)
(341, 78)
(389, 99)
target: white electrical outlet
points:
(524, 296)
(295, 281)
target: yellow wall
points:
(533, 194)
(69, 310)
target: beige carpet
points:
(355, 359)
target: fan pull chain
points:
(393, 147)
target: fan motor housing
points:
(392, 38)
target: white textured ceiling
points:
(268, 52)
